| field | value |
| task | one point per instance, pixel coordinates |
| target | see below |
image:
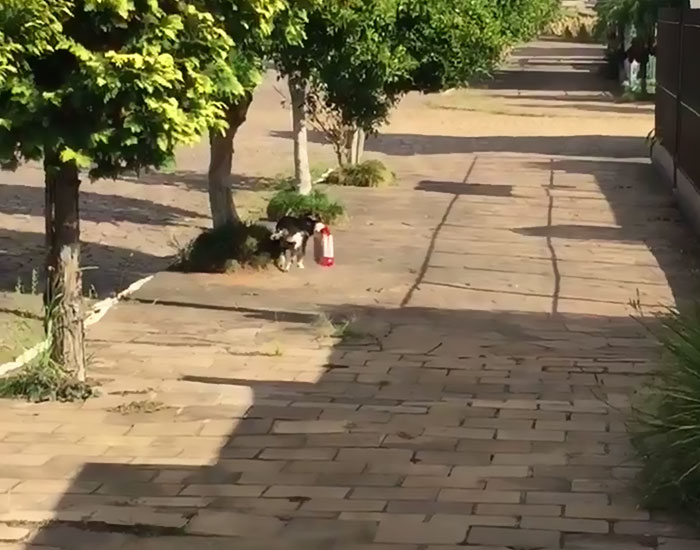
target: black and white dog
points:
(293, 235)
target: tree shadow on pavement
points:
(198, 181)
(644, 210)
(574, 146)
(97, 207)
(22, 252)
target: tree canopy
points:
(110, 85)
(365, 55)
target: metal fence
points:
(678, 89)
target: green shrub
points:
(228, 248)
(317, 204)
(371, 173)
(666, 427)
(44, 380)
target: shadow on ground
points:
(198, 181)
(29, 201)
(106, 269)
(644, 211)
(406, 417)
(574, 146)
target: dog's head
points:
(310, 223)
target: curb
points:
(98, 311)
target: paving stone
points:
(569, 525)
(344, 505)
(287, 491)
(394, 493)
(527, 539)
(495, 471)
(531, 435)
(435, 531)
(606, 542)
(310, 427)
(535, 510)
(225, 523)
(318, 532)
(473, 495)
(531, 458)
(136, 515)
(221, 490)
(584, 499)
(529, 484)
(615, 512)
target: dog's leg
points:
(301, 253)
(287, 259)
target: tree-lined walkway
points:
(476, 399)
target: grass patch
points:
(666, 426)
(288, 202)
(44, 380)
(227, 249)
(21, 325)
(370, 173)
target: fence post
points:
(678, 98)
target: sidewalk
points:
(476, 399)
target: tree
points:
(370, 54)
(290, 51)
(359, 57)
(360, 68)
(249, 24)
(101, 86)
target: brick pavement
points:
(477, 400)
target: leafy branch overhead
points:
(362, 56)
(116, 84)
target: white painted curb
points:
(324, 176)
(98, 311)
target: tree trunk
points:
(64, 295)
(354, 145)
(302, 173)
(360, 145)
(223, 208)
